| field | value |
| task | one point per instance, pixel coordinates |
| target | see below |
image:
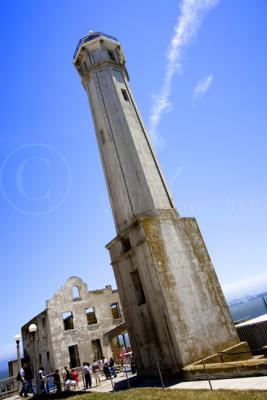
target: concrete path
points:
(254, 383)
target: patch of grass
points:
(172, 394)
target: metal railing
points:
(89, 37)
(8, 386)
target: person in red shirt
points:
(75, 377)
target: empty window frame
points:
(68, 320)
(126, 244)
(97, 349)
(91, 316)
(74, 356)
(125, 95)
(115, 310)
(139, 292)
(75, 293)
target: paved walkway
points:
(254, 383)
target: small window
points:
(139, 291)
(102, 136)
(125, 94)
(91, 317)
(68, 320)
(75, 292)
(115, 310)
(111, 55)
(40, 360)
(43, 323)
(126, 244)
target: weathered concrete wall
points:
(82, 334)
(53, 339)
(43, 345)
(185, 316)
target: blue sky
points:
(208, 121)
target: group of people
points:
(93, 370)
(70, 378)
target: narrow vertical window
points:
(68, 320)
(139, 291)
(91, 316)
(102, 136)
(125, 94)
(111, 55)
(48, 360)
(115, 310)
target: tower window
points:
(68, 320)
(102, 136)
(115, 310)
(126, 244)
(125, 94)
(111, 55)
(91, 317)
(139, 291)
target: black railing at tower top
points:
(89, 37)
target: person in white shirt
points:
(24, 389)
(87, 369)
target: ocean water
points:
(3, 374)
(248, 310)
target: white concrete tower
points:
(173, 303)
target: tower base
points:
(172, 301)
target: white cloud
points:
(202, 86)
(192, 12)
(252, 285)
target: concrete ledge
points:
(229, 354)
(243, 368)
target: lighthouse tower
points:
(172, 301)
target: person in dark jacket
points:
(106, 370)
(56, 380)
(112, 367)
(29, 377)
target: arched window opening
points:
(75, 292)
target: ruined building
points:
(172, 301)
(75, 327)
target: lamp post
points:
(18, 338)
(32, 330)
